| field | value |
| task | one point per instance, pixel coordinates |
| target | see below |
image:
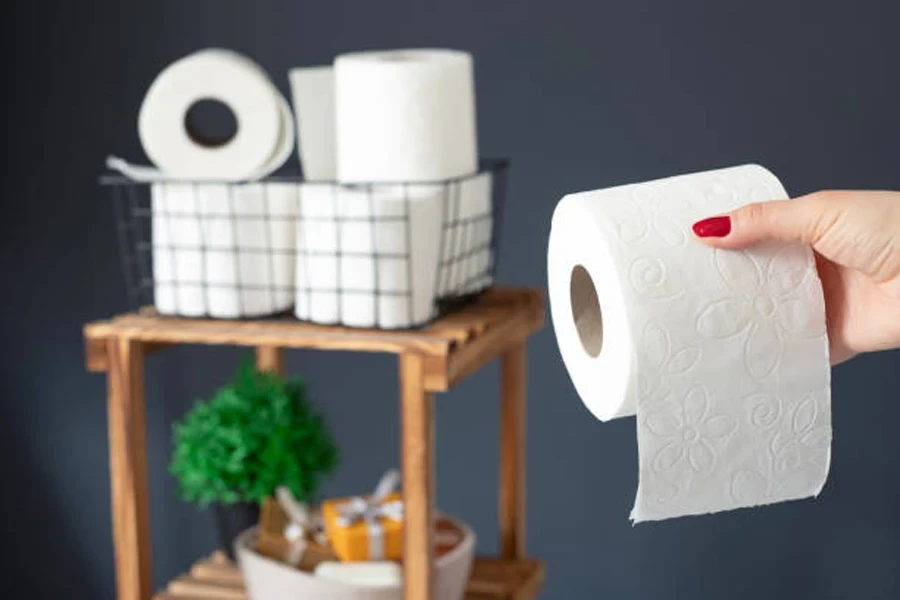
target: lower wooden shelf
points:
(496, 578)
(217, 578)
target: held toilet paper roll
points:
(265, 130)
(721, 355)
(405, 116)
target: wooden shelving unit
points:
(217, 578)
(432, 359)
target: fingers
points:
(795, 220)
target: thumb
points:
(794, 220)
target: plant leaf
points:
(255, 433)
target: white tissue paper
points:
(312, 93)
(221, 250)
(368, 256)
(265, 127)
(721, 355)
(406, 138)
(405, 115)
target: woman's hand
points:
(856, 236)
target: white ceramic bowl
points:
(267, 579)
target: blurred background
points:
(579, 95)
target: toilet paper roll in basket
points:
(410, 220)
(721, 355)
(369, 256)
(222, 244)
(405, 116)
(223, 250)
(265, 128)
(312, 93)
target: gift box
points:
(303, 551)
(447, 536)
(376, 536)
(364, 528)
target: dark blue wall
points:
(579, 95)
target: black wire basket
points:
(379, 255)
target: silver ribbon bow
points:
(301, 521)
(370, 510)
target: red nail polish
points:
(713, 227)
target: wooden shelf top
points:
(453, 346)
(216, 578)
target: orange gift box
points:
(380, 538)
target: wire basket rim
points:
(485, 165)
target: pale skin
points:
(856, 237)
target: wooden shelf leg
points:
(512, 453)
(128, 469)
(270, 358)
(418, 479)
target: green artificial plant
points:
(255, 434)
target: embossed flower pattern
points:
(663, 358)
(693, 433)
(805, 432)
(661, 223)
(763, 409)
(797, 455)
(643, 218)
(650, 278)
(764, 308)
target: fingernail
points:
(713, 227)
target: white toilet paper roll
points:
(369, 256)
(405, 115)
(223, 250)
(265, 130)
(722, 355)
(312, 91)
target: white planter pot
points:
(267, 579)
